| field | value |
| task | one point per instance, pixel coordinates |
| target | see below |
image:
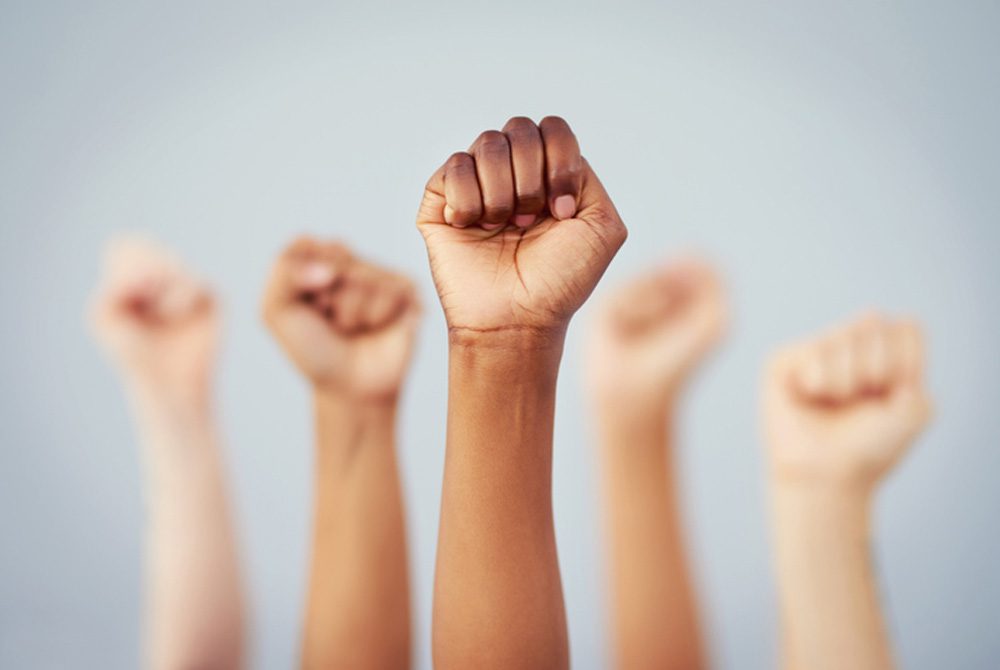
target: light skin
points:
(159, 325)
(518, 231)
(840, 411)
(349, 327)
(646, 341)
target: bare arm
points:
(498, 596)
(653, 607)
(840, 412)
(518, 232)
(195, 604)
(643, 345)
(158, 323)
(358, 609)
(831, 610)
(349, 327)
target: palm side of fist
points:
(651, 334)
(349, 326)
(155, 318)
(845, 407)
(518, 229)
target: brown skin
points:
(349, 327)
(646, 341)
(159, 325)
(519, 231)
(839, 412)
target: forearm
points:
(498, 596)
(654, 617)
(830, 606)
(195, 615)
(358, 605)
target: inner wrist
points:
(513, 338)
(618, 405)
(190, 405)
(821, 503)
(355, 408)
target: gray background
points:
(830, 156)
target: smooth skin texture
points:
(645, 342)
(840, 411)
(349, 327)
(518, 231)
(159, 325)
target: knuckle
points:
(521, 128)
(554, 123)
(301, 245)
(491, 143)
(518, 123)
(460, 162)
(339, 248)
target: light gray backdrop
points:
(829, 156)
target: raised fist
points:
(650, 334)
(844, 408)
(518, 229)
(157, 321)
(348, 326)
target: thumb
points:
(433, 203)
(597, 209)
(292, 276)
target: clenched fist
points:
(349, 326)
(844, 408)
(649, 335)
(518, 229)
(155, 319)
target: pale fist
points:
(518, 229)
(845, 407)
(155, 319)
(348, 326)
(651, 334)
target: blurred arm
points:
(196, 605)
(829, 599)
(358, 609)
(654, 616)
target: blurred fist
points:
(156, 320)
(518, 229)
(348, 326)
(844, 408)
(652, 333)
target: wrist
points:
(620, 404)
(348, 426)
(827, 481)
(505, 364)
(349, 408)
(159, 405)
(812, 509)
(513, 338)
(507, 357)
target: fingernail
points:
(524, 220)
(449, 213)
(564, 207)
(491, 226)
(316, 274)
